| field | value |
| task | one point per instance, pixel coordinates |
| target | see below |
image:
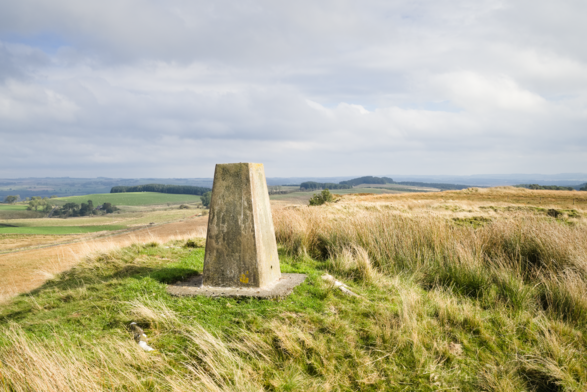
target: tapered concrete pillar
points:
(241, 253)
(240, 248)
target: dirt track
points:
(24, 271)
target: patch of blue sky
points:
(47, 42)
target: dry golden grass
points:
(459, 247)
(9, 242)
(26, 270)
(44, 364)
(499, 196)
(476, 244)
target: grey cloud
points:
(20, 62)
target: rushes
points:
(354, 263)
(565, 296)
(525, 259)
(397, 242)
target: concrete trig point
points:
(241, 252)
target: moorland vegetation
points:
(323, 197)
(475, 290)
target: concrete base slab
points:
(281, 288)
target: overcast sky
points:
(151, 88)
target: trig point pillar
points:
(240, 248)
(241, 253)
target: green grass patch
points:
(129, 199)
(12, 207)
(57, 230)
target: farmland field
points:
(57, 230)
(21, 230)
(129, 199)
(12, 207)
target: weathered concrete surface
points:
(278, 289)
(241, 250)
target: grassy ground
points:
(130, 199)
(497, 196)
(23, 270)
(9, 242)
(12, 207)
(59, 230)
(303, 197)
(127, 218)
(72, 334)
(464, 296)
(19, 213)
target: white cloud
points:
(167, 89)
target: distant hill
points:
(444, 187)
(371, 180)
(367, 180)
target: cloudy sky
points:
(151, 88)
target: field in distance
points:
(57, 230)
(12, 207)
(19, 228)
(130, 199)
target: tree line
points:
(546, 187)
(162, 188)
(311, 185)
(83, 209)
